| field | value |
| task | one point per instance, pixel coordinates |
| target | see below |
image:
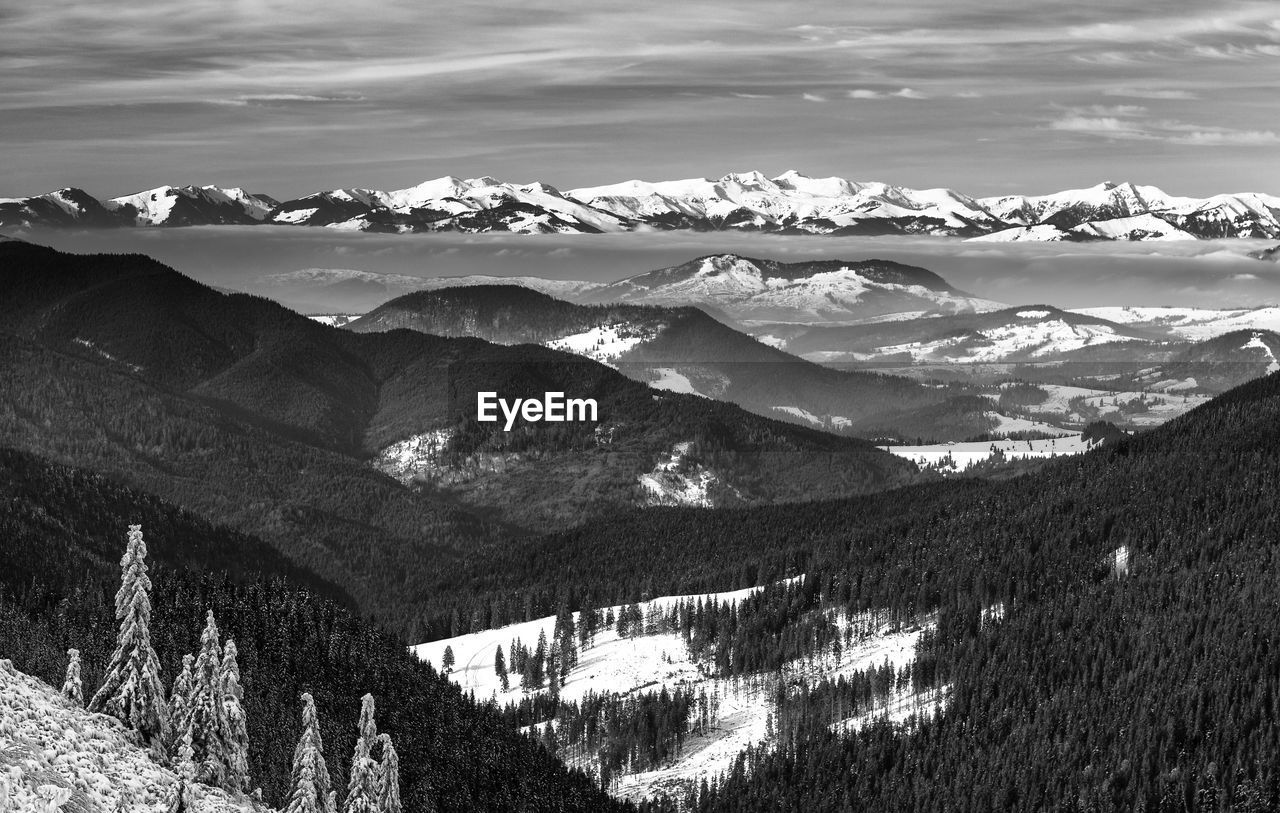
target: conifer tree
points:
(72, 688)
(236, 734)
(362, 786)
(207, 715)
(389, 778)
(131, 690)
(447, 660)
(180, 701)
(500, 668)
(309, 780)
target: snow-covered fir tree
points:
(236, 734)
(131, 690)
(311, 790)
(362, 787)
(207, 715)
(389, 778)
(180, 701)
(72, 688)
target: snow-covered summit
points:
(767, 290)
(791, 202)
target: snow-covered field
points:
(1005, 342)
(1165, 400)
(1195, 324)
(648, 663)
(52, 749)
(964, 455)
(604, 343)
(334, 319)
(673, 381)
(834, 421)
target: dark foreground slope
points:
(63, 531)
(1150, 687)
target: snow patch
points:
(676, 481)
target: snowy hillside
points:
(51, 749)
(751, 289)
(749, 201)
(605, 343)
(1195, 324)
(191, 206)
(655, 661)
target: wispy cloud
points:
(902, 93)
(1150, 93)
(1130, 122)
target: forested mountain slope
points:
(255, 416)
(64, 530)
(675, 348)
(1134, 666)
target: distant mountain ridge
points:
(790, 203)
(679, 349)
(750, 289)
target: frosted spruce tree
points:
(180, 703)
(362, 786)
(309, 780)
(206, 718)
(131, 690)
(389, 778)
(72, 688)
(236, 733)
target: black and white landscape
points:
(744, 491)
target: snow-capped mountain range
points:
(749, 201)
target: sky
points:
(989, 97)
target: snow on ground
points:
(1166, 399)
(649, 663)
(50, 748)
(415, 455)
(673, 381)
(1194, 324)
(836, 421)
(334, 319)
(675, 482)
(604, 343)
(964, 455)
(1256, 341)
(91, 346)
(1007, 341)
(610, 665)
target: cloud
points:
(1108, 126)
(1129, 122)
(1213, 138)
(813, 97)
(903, 93)
(1150, 93)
